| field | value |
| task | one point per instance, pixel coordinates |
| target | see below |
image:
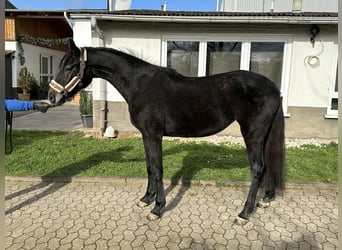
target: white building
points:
(292, 42)
(29, 36)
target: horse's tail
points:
(274, 176)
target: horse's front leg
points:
(155, 186)
(150, 194)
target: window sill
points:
(330, 116)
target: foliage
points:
(37, 41)
(60, 153)
(26, 80)
(44, 86)
(86, 102)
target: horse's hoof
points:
(264, 204)
(142, 204)
(153, 217)
(240, 221)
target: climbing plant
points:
(37, 41)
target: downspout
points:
(103, 87)
(67, 19)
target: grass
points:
(46, 153)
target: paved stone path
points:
(65, 117)
(102, 214)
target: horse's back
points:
(201, 106)
(226, 93)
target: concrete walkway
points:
(98, 213)
(65, 117)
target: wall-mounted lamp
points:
(314, 32)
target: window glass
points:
(46, 69)
(334, 101)
(332, 109)
(183, 57)
(223, 57)
(336, 80)
(334, 104)
(267, 59)
(44, 65)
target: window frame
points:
(246, 41)
(331, 113)
(50, 73)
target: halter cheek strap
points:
(75, 80)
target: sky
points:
(185, 5)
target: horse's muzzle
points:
(55, 98)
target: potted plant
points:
(42, 91)
(86, 108)
(26, 82)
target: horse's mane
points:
(138, 61)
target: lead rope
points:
(8, 134)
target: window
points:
(223, 57)
(183, 57)
(46, 69)
(332, 111)
(266, 55)
(267, 59)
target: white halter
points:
(75, 80)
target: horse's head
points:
(72, 76)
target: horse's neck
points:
(113, 67)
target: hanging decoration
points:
(37, 41)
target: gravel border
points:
(235, 140)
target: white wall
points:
(82, 32)
(142, 43)
(308, 86)
(12, 46)
(32, 60)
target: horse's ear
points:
(73, 46)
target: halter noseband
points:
(75, 80)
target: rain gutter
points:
(211, 19)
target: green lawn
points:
(71, 154)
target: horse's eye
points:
(68, 67)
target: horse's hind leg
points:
(266, 200)
(254, 136)
(155, 186)
(255, 156)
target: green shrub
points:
(26, 80)
(86, 102)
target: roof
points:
(201, 13)
(212, 16)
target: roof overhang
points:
(206, 17)
(8, 52)
(39, 14)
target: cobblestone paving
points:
(104, 215)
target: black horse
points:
(163, 102)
